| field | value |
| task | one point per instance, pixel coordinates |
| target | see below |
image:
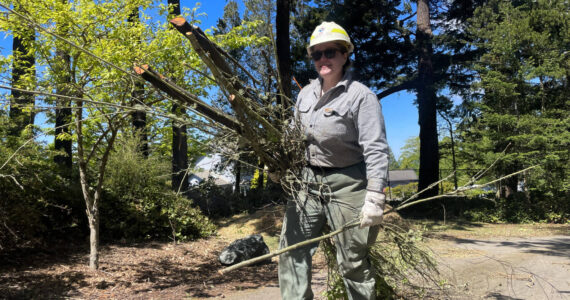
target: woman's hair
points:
(344, 49)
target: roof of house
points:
(402, 175)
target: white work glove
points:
(373, 209)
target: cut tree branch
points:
(212, 56)
(176, 92)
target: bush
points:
(139, 204)
(518, 209)
(37, 204)
(403, 192)
(213, 200)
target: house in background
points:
(401, 177)
(210, 166)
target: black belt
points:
(324, 169)
(331, 169)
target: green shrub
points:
(37, 204)
(138, 201)
(403, 191)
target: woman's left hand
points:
(373, 209)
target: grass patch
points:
(266, 221)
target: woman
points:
(347, 156)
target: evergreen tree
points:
(394, 164)
(522, 104)
(62, 72)
(180, 181)
(139, 116)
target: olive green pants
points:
(334, 197)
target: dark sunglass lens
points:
(316, 55)
(330, 53)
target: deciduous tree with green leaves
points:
(102, 43)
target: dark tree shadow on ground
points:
(17, 281)
(552, 246)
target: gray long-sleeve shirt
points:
(344, 127)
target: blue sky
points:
(400, 114)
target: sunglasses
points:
(329, 53)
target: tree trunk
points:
(453, 162)
(139, 116)
(94, 239)
(426, 93)
(180, 181)
(22, 68)
(237, 175)
(62, 70)
(179, 134)
(92, 200)
(91, 205)
(283, 51)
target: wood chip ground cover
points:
(189, 270)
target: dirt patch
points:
(505, 261)
(141, 271)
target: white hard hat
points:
(330, 32)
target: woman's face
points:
(329, 68)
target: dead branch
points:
(13, 179)
(211, 55)
(176, 92)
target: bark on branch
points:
(176, 92)
(213, 57)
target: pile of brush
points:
(260, 123)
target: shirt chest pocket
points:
(335, 122)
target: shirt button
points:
(311, 126)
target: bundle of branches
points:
(402, 265)
(257, 122)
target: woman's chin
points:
(325, 73)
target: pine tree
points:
(524, 96)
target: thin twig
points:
(427, 188)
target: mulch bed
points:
(128, 271)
